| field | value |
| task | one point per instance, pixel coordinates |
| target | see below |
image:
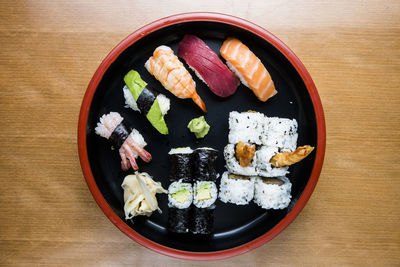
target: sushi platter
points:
(201, 136)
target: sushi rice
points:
(248, 127)
(282, 133)
(272, 196)
(210, 189)
(236, 191)
(180, 150)
(233, 165)
(130, 102)
(107, 124)
(179, 186)
(263, 166)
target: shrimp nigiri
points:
(130, 145)
(248, 67)
(165, 66)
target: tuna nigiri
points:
(207, 66)
(248, 67)
(165, 66)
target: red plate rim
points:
(213, 17)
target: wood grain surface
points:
(49, 52)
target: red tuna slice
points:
(207, 65)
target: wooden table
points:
(49, 52)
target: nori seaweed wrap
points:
(140, 97)
(204, 164)
(179, 220)
(119, 135)
(181, 165)
(202, 220)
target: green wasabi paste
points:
(199, 127)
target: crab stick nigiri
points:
(207, 65)
(165, 66)
(248, 67)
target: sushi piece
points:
(280, 133)
(263, 164)
(233, 165)
(248, 127)
(272, 193)
(180, 195)
(140, 97)
(204, 194)
(179, 220)
(202, 220)
(236, 189)
(207, 66)
(204, 164)
(129, 144)
(249, 68)
(180, 198)
(181, 164)
(165, 66)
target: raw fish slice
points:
(248, 67)
(171, 73)
(207, 66)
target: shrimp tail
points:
(196, 98)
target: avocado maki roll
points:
(204, 194)
(179, 201)
(140, 97)
(181, 164)
(203, 220)
(180, 195)
(179, 220)
(204, 164)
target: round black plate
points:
(234, 225)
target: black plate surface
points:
(234, 225)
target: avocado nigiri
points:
(140, 97)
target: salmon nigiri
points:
(165, 66)
(248, 68)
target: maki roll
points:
(179, 220)
(140, 97)
(233, 164)
(130, 144)
(204, 195)
(203, 220)
(272, 193)
(180, 195)
(179, 200)
(181, 164)
(236, 189)
(204, 164)
(248, 127)
(281, 133)
(264, 167)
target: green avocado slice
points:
(134, 83)
(156, 118)
(136, 86)
(181, 196)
